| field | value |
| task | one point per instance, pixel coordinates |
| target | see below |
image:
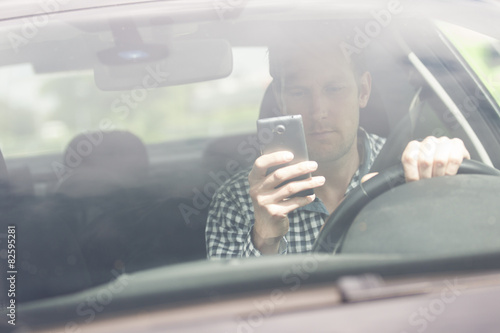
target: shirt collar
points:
(316, 206)
(366, 155)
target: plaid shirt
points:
(231, 218)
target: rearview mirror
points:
(183, 62)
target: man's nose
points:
(319, 105)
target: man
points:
(249, 216)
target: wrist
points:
(266, 245)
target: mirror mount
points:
(129, 46)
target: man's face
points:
(321, 86)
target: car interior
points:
(129, 206)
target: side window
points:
(481, 52)
(41, 113)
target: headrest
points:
(103, 161)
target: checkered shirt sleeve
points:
(230, 220)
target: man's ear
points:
(364, 88)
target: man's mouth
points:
(321, 132)
(321, 135)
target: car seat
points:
(125, 224)
(103, 184)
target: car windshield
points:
(122, 123)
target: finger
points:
(265, 195)
(288, 190)
(409, 159)
(266, 161)
(297, 202)
(281, 209)
(466, 153)
(461, 146)
(368, 176)
(289, 172)
(441, 157)
(427, 150)
(457, 154)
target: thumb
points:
(368, 176)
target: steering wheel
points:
(341, 219)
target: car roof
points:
(441, 9)
(21, 8)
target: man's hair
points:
(308, 38)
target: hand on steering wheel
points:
(339, 222)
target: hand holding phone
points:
(285, 133)
(271, 198)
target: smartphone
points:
(285, 133)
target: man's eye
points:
(332, 89)
(296, 92)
